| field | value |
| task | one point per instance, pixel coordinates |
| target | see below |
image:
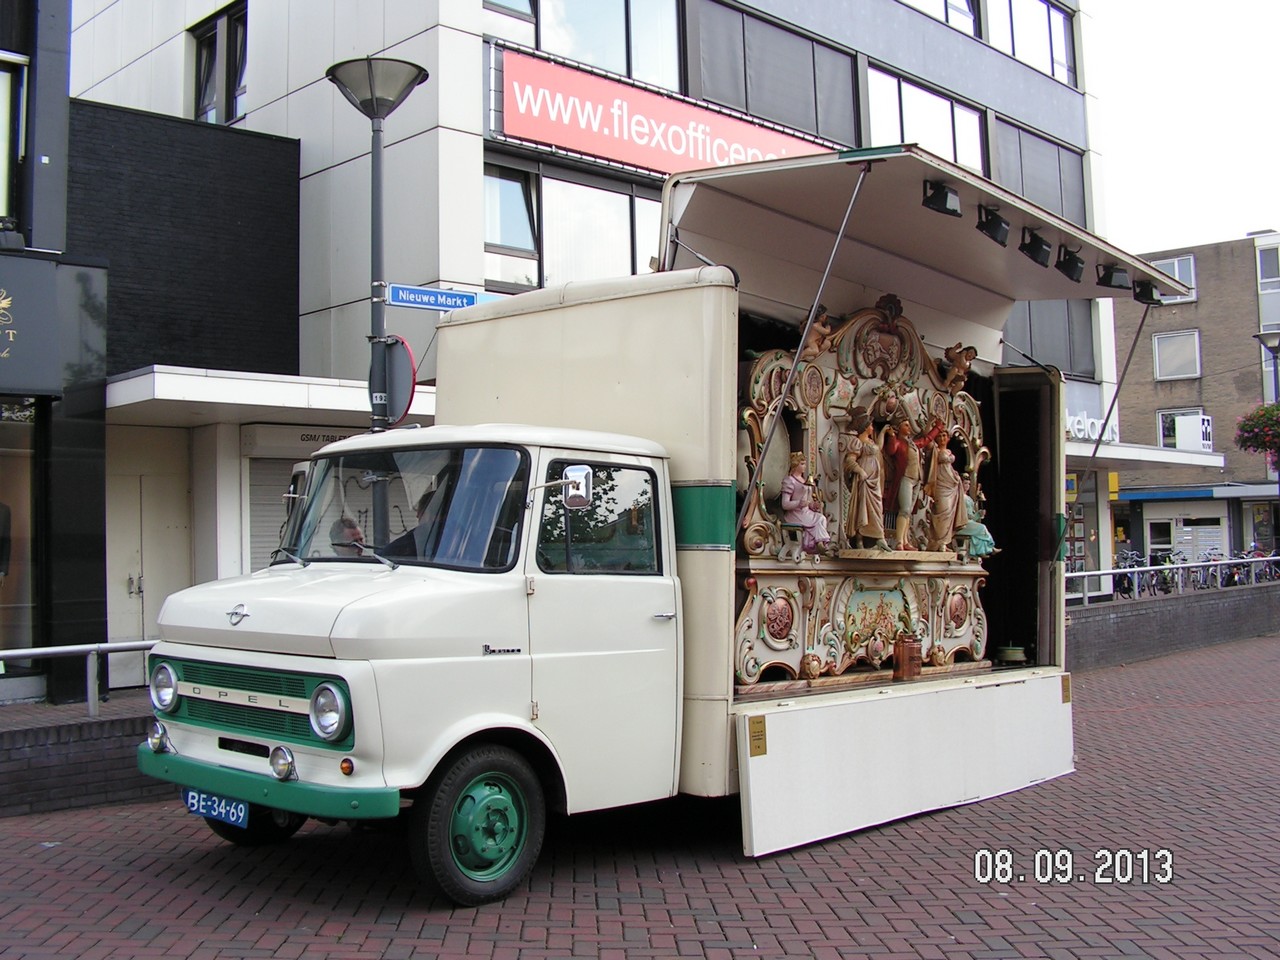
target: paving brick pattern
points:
(1180, 753)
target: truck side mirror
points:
(577, 486)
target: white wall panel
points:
(314, 223)
(172, 77)
(460, 67)
(136, 34)
(402, 19)
(310, 49)
(311, 113)
(357, 31)
(270, 42)
(457, 178)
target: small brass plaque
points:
(755, 737)
(1066, 688)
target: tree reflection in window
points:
(615, 534)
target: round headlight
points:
(157, 737)
(282, 767)
(328, 712)
(164, 688)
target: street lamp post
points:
(1271, 340)
(376, 86)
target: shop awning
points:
(775, 222)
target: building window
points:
(632, 38)
(220, 66)
(1035, 32)
(510, 229)
(1268, 269)
(902, 112)
(535, 219)
(523, 8)
(1168, 425)
(748, 64)
(1268, 365)
(13, 71)
(1182, 269)
(1177, 355)
(1038, 169)
(957, 13)
(1054, 332)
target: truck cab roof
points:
(489, 433)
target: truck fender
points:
(515, 732)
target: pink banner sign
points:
(549, 103)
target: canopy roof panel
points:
(776, 222)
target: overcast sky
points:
(1182, 107)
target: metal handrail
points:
(90, 651)
(1184, 577)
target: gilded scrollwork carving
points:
(811, 614)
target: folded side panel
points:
(893, 753)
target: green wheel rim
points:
(489, 826)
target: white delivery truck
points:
(685, 532)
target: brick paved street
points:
(1180, 753)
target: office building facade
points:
(1197, 367)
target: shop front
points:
(52, 351)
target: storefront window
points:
(17, 429)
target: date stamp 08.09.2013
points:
(1107, 865)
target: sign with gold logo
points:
(32, 331)
(7, 333)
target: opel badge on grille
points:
(236, 614)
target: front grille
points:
(244, 719)
(233, 716)
(248, 678)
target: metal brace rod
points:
(795, 364)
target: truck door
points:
(603, 634)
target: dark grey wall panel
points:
(200, 226)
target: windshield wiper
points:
(297, 560)
(364, 549)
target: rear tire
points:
(479, 831)
(265, 825)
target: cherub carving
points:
(960, 359)
(819, 337)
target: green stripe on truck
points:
(705, 515)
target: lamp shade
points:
(376, 85)
(1269, 339)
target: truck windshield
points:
(458, 507)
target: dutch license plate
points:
(235, 812)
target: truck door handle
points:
(664, 616)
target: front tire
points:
(478, 833)
(265, 825)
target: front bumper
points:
(327, 803)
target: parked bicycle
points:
(1128, 585)
(1206, 577)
